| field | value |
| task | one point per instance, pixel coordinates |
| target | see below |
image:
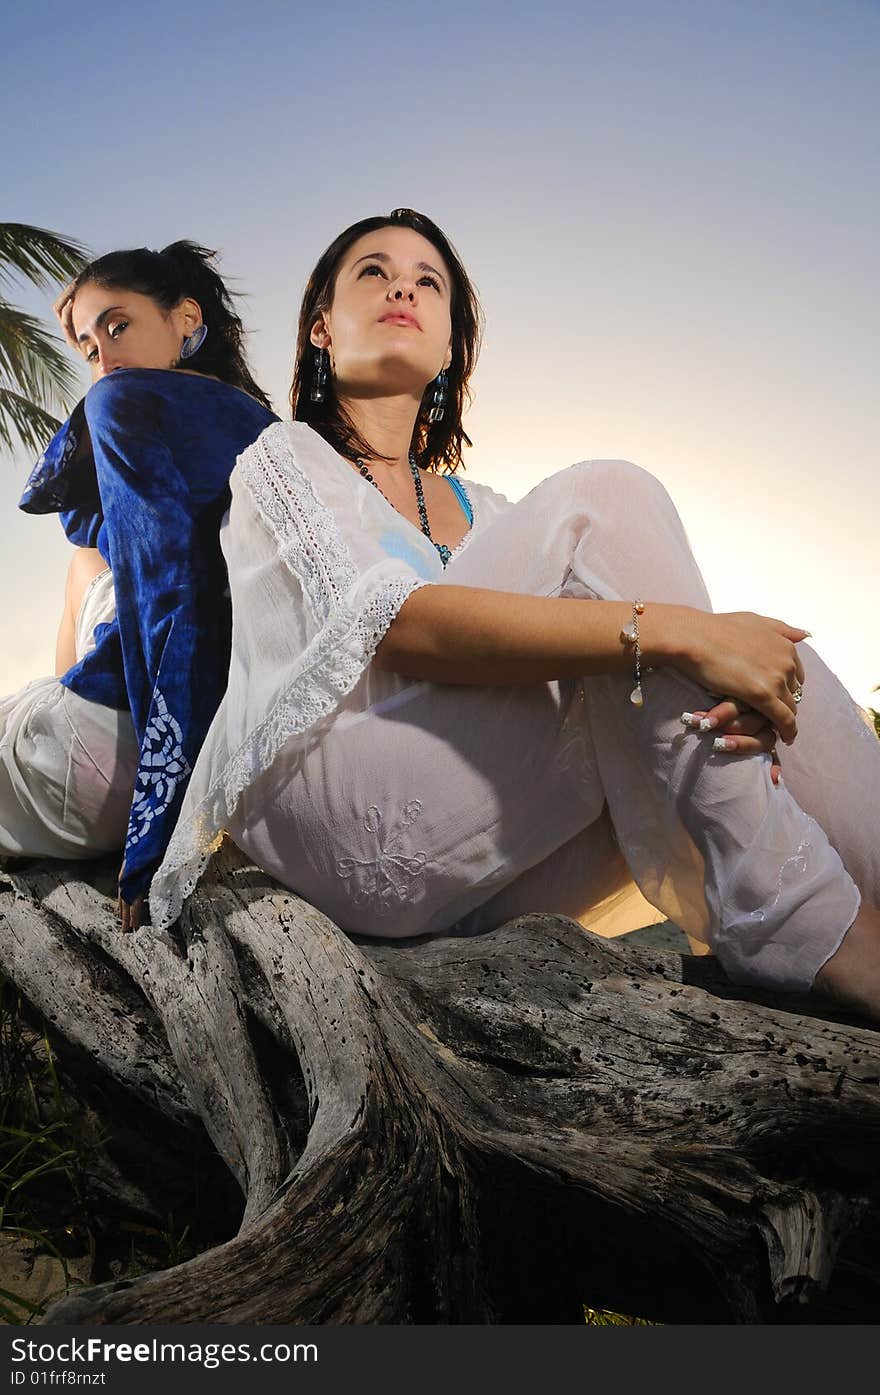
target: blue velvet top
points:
(140, 471)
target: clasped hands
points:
(744, 731)
(753, 659)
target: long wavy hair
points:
(436, 444)
(180, 271)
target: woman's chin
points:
(394, 376)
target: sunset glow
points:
(671, 213)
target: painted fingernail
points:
(724, 743)
(687, 719)
(708, 723)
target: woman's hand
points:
(751, 658)
(129, 913)
(743, 732)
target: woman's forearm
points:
(467, 634)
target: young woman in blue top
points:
(139, 475)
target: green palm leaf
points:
(37, 379)
(21, 418)
(31, 359)
(40, 256)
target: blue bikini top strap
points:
(462, 498)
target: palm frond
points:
(42, 257)
(32, 361)
(33, 426)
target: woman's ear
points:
(448, 359)
(320, 335)
(188, 316)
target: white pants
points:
(461, 807)
(67, 766)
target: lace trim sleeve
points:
(350, 626)
(309, 543)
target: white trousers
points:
(461, 807)
(67, 766)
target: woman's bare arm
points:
(473, 635)
(469, 634)
(85, 564)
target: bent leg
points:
(67, 771)
(708, 838)
(586, 878)
(833, 771)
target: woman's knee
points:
(601, 488)
(621, 481)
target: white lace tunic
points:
(405, 808)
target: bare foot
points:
(852, 975)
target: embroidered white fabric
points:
(317, 574)
(402, 808)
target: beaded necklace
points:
(444, 551)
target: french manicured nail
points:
(708, 723)
(688, 719)
(724, 743)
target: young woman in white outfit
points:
(432, 719)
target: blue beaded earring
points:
(438, 408)
(195, 341)
(319, 376)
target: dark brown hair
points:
(181, 271)
(434, 444)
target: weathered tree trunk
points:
(463, 1130)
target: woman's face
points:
(115, 328)
(388, 330)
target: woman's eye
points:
(431, 282)
(117, 328)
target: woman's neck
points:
(387, 423)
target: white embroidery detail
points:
(309, 542)
(794, 867)
(312, 547)
(162, 767)
(385, 880)
(575, 755)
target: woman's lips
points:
(398, 319)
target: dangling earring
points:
(438, 409)
(195, 341)
(319, 376)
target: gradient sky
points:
(670, 211)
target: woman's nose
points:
(404, 290)
(106, 362)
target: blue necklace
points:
(444, 551)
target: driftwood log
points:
(482, 1130)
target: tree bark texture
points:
(485, 1130)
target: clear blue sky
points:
(671, 211)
